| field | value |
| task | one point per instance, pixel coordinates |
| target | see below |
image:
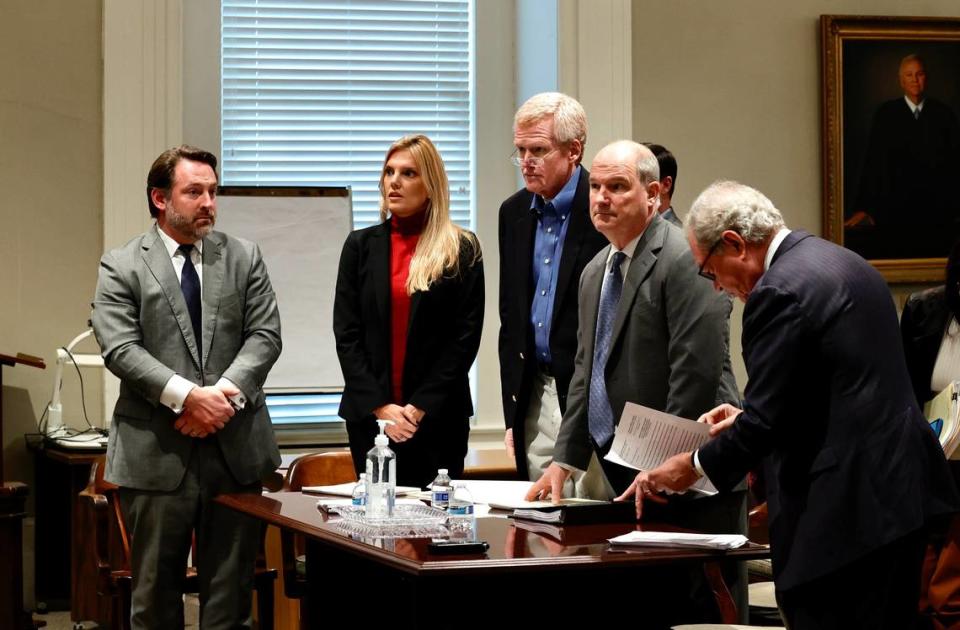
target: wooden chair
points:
(315, 469)
(114, 579)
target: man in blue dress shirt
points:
(546, 239)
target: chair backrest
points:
(315, 469)
(97, 485)
(320, 469)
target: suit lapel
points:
(157, 259)
(577, 230)
(378, 259)
(644, 257)
(590, 302)
(213, 268)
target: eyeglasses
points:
(532, 160)
(706, 274)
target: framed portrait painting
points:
(891, 140)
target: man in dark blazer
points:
(853, 473)
(546, 239)
(191, 421)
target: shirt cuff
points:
(696, 463)
(175, 392)
(239, 401)
(568, 467)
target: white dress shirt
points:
(178, 388)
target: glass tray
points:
(408, 521)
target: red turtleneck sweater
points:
(404, 234)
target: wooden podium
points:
(13, 497)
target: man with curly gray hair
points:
(854, 474)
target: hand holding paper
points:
(720, 418)
(646, 438)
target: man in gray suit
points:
(650, 332)
(187, 319)
(664, 345)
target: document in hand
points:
(943, 414)
(645, 438)
(580, 512)
(679, 539)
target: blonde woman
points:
(407, 319)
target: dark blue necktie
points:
(600, 414)
(190, 286)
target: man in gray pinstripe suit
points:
(187, 319)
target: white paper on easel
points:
(645, 438)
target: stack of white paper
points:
(678, 539)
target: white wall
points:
(733, 89)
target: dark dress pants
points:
(160, 526)
(877, 592)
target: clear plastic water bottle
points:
(461, 520)
(381, 477)
(360, 491)
(440, 490)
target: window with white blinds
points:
(313, 92)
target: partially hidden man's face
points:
(190, 211)
(913, 79)
(546, 165)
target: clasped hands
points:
(406, 420)
(206, 410)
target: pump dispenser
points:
(381, 476)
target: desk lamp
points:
(55, 426)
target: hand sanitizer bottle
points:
(381, 476)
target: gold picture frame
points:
(862, 60)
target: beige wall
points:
(50, 203)
(733, 89)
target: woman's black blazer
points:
(443, 334)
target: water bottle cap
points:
(442, 471)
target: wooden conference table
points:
(546, 578)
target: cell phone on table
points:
(440, 546)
